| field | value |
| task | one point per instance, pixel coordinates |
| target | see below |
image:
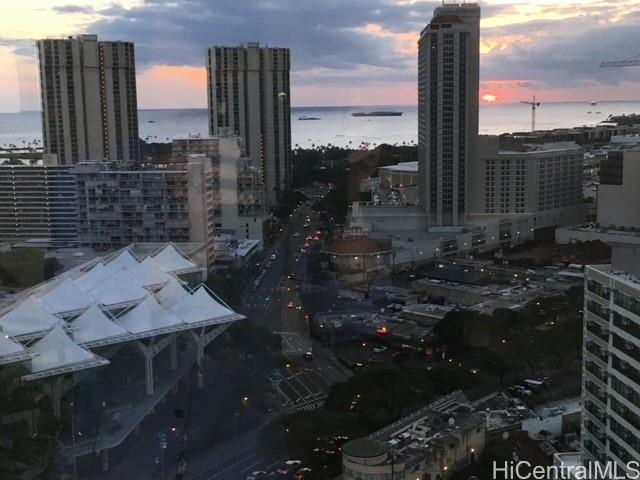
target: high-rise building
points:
(611, 359)
(448, 82)
(238, 194)
(248, 92)
(89, 107)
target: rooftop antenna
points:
(534, 105)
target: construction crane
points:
(629, 62)
(534, 105)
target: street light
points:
(163, 446)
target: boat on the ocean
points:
(151, 121)
(376, 114)
(304, 117)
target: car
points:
(379, 349)
(296, 234)
(288, 467)
(308, 355)
(302, 473)
(318, 232)
(306, 245)
(273, 256)
(290, 306)
(292, 276)
(256, 475)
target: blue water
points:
(337, 126)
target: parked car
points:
(379, 349)
(256, 475)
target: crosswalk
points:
(307, 407)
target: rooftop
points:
(364, 448)
(359, 244)
(426, 431)
(409, 167)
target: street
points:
(302, 383)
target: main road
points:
(302, 383)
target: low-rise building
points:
(359, 259)
(432, 442)
(230, 252)
(395, 184)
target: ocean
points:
(336, 125)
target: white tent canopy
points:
(171, 293)
(118, 288)
(148, 273)
(9, 347)
(65, 297)
(94, 325)
(171, 260)
(93, 277)
(124, 259)
(57, 350)
(148, 315)
(29, 317)
(198, 307)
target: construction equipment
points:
(534, 105)
(629, 62)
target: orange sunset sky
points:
(349, 52)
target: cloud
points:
(327, 34)
(74, 9)
(349, 44)
(568, 61)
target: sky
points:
(344, 52)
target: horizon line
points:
(481, 104)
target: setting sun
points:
(489, 98)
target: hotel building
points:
(448, 85)
(88, 93)
(248, 93)
(539, 180)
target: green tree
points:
(51, 267)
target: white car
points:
(379, 349)
(256, 475)
(273, 256)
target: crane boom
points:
(534, 105)
(629, 62)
